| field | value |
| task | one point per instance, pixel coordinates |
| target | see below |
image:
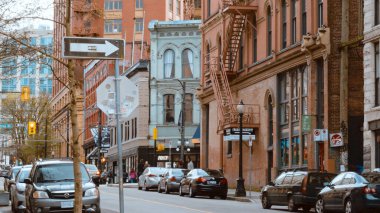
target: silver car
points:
(18, 189)
(171, 180)
(150, 178)
(50, 188)
(92, 170)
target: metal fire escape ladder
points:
(226, 63)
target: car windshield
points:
(24, 173)
(15, 171)
(59, 172)
(178, 172)
(213, 173)
(91, 167)
(157, 170)
(319, 179)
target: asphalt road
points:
(148, 202)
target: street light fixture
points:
(240, 189)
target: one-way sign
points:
(92, 48)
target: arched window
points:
(169, 71)
(187, 63)
(283, 13)
(269, 32)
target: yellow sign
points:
(25, 93)
(32, 127)
(154, 133)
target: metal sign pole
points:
(118, 136)
(250, 166)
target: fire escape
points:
(221, 69)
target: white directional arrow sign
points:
(92, 48)
(106, 48)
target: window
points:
(169, 71)
(9, 67)
(45, 85)
(189, 108)
(269, 32)
(169, 108)
(139, 4)
(377, 148)
(254, 43)
(229, 148)
(295, 150)
(112, 5)
(298, 178)
(295, 96)
(139, 24)
(348, 179)
(270, 118)
(187, 63)
(338, 179)
(377, 75)
(284, 161)
(280, 179)
(31, 82)
(304, 89)
(208, 8)
(377, 12)
(112, 26)
(283, 13)
(283, 95)
(170, 5)
(197, 4)
(288, 179)
(178, 7)
(304, 149)
(320, 13)
(8, 85)
(294, 22)
(304, 17)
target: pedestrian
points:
(146, 165)
(110, 176)
(132, 176)
(190, 165)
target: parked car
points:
(10, 179)
(295, 189)
(92, 170)
(18, 189)
(207, 182)
(350, 192)
(150, 178)
(170, 180)
(50, 187)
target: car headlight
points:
(94, 192)
(40, 195)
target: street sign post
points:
(92, 48)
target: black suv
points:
(295, 189)
(50, 188)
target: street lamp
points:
(240, 189)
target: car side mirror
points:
(332, 186)
(28, 181)
(271, 183)
(96, 180)
(326, 184)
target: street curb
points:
(242, 199)
(124, 185)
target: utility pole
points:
(46, 134)
(99, 140)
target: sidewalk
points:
(230, 193)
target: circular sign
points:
(317, 132)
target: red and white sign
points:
(336, 140)
(320, 134)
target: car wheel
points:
(159, 188)
(291, 205)
(348, 208)
(212, 196)
(167, 191)
(191, 192)
(180, 191)
(319, 206)
(145, 187)
(265, 202)
(223, 197)
(306, 208)
(139, 187)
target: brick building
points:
(297, 65)
(372, 84)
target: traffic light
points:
(25, 93)
(160, 147)
(32, 127)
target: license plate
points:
(67, 204)
(211, 182)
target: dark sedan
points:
(349, 192)
(205, 182)
(170, 180)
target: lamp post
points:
(240, 189)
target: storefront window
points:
(304, 149)
(284, 152)
(295, 150)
